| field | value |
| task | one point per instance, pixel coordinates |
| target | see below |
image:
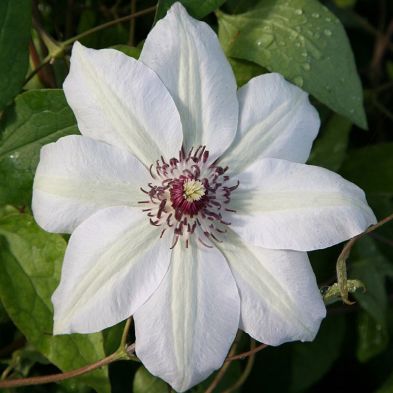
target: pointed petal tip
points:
(186, 54)
(177, 8)
(104, 89)
(276, 120)
(180, 354)
(311, 198)
(78, 48)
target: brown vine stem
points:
(62, 46)
(368, 27)
(220, 375)
(108, 24)
(382, 239)
(131, 38)
(246, 372)
(244, 355)
(341, 267)
(13, 383)
(381, 45)
(125, 352)
(382, 108)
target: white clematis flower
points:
(198, 243)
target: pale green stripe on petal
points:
(280, 300)
(77, 176)
(102, 195)
(197, 310)
(276, 120)
(119, 100)
(187, 56)
(285, 205)
(114, 262)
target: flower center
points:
(188, 196)
(193, 190)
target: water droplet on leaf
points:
(293, 35)
(298, 80)
(265, 40)
(327, 32)
(14, 156)
(315, 52)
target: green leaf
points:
(112, 337)
(311, 361)
(237, 7)
(197, 8)
(72, 386)
(131, 51)
(345, 3)
(330, 148)
(144, 382)
(3, 314)
(15, 25)
(245, 70)
(38, 117)
(382, 205)
(372, 268)
(30, 264)
(372, 337)
(305, 42)
(371, 168)
(374, 299)
(387, 387)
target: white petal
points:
(279, 296)
(187, 56)
(117, 99)
(114, 261)
(77, 176)
(285, 205)
(184, 331)
(276, 120)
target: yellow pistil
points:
(193, 190)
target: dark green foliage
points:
(37, 118)
(299, 39)
(29, 273)
(15, 24)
